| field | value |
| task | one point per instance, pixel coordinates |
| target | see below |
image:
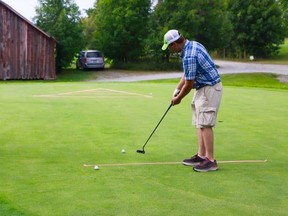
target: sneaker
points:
(193, 161)
(206, 166)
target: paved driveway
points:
(226, 67)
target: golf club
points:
(142, 151)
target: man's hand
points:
(186, 88)
(175, 101)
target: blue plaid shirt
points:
(198, 65)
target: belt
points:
(207, 85)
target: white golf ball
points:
(96, 168)
(123, 151)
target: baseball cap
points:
(170, 37)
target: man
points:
(200, 73)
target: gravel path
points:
(226, 67)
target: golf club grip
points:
(157, 125)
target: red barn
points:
(26, 52)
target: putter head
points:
(141, 151)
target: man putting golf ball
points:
(200, 73)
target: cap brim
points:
(165, 46)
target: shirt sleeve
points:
(190, 68)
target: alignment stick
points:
(168, 163)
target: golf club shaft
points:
(157, 125)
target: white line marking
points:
(76, 93)
(129, 93)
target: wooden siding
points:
(26, 52)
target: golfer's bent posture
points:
(200, 73)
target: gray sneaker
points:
(193, 161)
(206, 166)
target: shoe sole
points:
(205, 170)
(190, 164)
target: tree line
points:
(132, 30)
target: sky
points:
(27, 7)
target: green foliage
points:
(89, 28)
(121, 27)
(130, 31)
(284, 7)
(257, 27)
(284, 49)
(203, 20)
(282, 57)
(61, 19)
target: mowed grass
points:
(50, 129)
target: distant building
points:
(26, 52)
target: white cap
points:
(170, 37)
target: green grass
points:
(44, 142)
(260, 80)
(72, 75)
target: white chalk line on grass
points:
(105, 93)
(129, 93)
(169, 163)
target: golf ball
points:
(96, 168)
(123, 151)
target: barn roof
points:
(26, 20)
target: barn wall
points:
(25, 51)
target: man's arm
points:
(181, 83)
(185, 87)
(179, 87)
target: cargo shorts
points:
(205, 105)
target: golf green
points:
(49, 130)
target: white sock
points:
(203, 157)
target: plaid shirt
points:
(198, 65)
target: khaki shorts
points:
(205, 105)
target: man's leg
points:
(200, 156)
(209, 164)
(208, 140)
(201, 144)
(212, 96)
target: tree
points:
(89, 27)
(61, 19)
(257, 26)
(121, 27)
(284, 8)
(203, 20)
